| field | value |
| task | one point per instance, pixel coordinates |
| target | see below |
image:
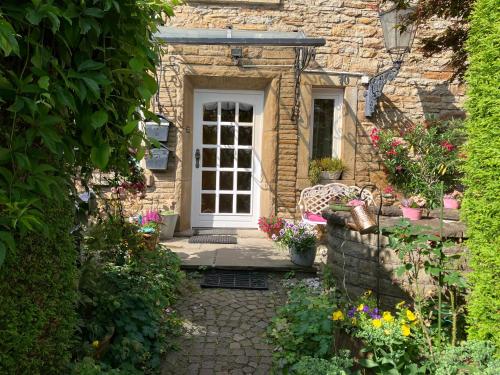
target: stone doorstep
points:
(251, 253)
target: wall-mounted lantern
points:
(398, 40)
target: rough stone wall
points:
(354, 43)
(354, 262)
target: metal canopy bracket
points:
(303, 56)
(376, 85)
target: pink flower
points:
(399, 168)
(355, 203)
(374, 136)
(389, 189)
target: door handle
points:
(197, 158)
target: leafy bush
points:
(124, 307)
(481, 205)
(418, 157)
(37, 298)
(471, 357)
(337, 365)
(303, 327)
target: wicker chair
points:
(313, 200)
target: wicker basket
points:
(363, 219)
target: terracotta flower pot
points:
(451, 203)
(412, 213)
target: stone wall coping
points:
(451, 229)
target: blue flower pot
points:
(304, 258)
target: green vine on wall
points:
(75, 79)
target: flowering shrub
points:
(300, 236)
(418, 157)
(271, 225)
(454, 195)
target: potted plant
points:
(149, 227)
(452, 200)
(325, 169)
(300, 239)
(388, 196)
(168, 223)
(271, 225)
(412, 207)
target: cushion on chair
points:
(314, 217)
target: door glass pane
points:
(209, 157)
(243, 204)
(210, 111)
(322, 128)
(226, 203)
(209, 134)
(228, 111)
(208, 180)
(244, 181)
(246, 113)
(227, 135)
(226, 181)
(207, 203)
(245, 135)
(244, 158)
(227, 157)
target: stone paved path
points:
(225, 331)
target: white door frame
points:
(338, 96)
(223, 220)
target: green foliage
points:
(471, 357)
(419, 157)
(325, 164)
(125, 294)
(337, 365)
(88, 366)
(74, 79)
(303, 327)
(37, 298)
(481, 206)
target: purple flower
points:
(366, 309)
(351, 312)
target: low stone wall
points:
(357, 265)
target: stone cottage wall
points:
(354, 44)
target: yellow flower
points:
(387, 316)
(411, 316)
(377, 323)
(387, 332)
(405, 330)
(399, 306)
(354, 321)
(95, 344)
(338, 315)
(361, 307)
(368, 293)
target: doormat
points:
(234, 280)
(213, 239)
(216, 231)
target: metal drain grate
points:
(234, 280)
(213, 239)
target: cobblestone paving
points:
(224, 331)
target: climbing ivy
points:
(75, 78)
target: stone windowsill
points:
(452, 228)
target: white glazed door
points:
(226, 158)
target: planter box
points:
(167, 227)
(158, 159)
(331, 175)
(158, 132)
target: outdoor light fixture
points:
(236, 55)
(398, 41)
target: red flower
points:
(391, 152)
(447, 145)
(396, 142)
(374, 136)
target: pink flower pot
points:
(451, 203)
(412, 213)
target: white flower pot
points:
(331, 175)
(167, 227)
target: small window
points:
(326, 129)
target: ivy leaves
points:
(75, 79)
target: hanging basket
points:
(363, 218)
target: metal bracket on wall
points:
(303, 56)
(376, 85)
